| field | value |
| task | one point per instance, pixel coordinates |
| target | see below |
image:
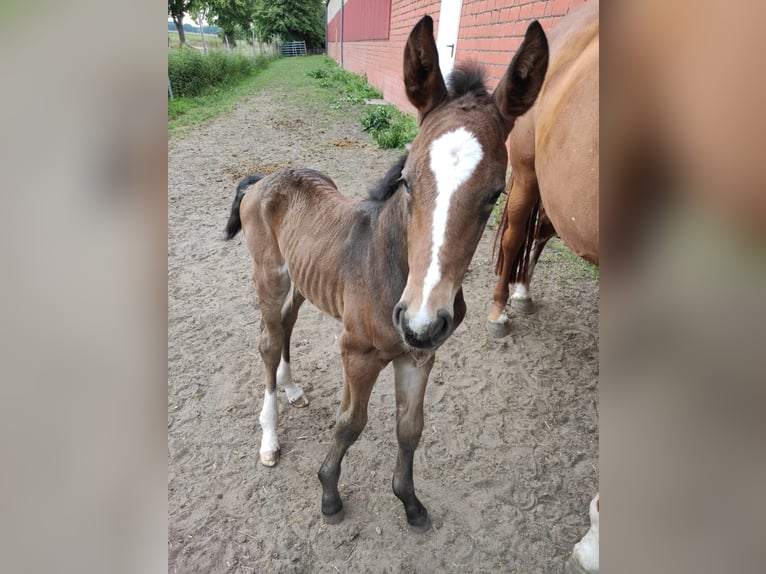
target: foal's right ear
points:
(423, 79)
(518, 89)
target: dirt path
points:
(509, 457)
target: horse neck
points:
(390, 243)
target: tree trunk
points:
(178, 20)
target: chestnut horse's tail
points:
(234, 224)
(520, 263)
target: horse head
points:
(454, 173)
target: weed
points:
(389, 127)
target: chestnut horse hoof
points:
(500, 328)
(523, 306)
(336, 518)
(421, 525)
(300, 402)
(270, 458)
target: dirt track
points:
(508, 461)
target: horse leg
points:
(295, 395)
(584, 557)
(360, 371)
(520, 300)
(522, 198)
(272, 284)
(410, 380)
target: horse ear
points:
(423, 79)
(522, 81)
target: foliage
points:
(389, 127)
(191, 72)
(291, 20)
(351, 89)
(284, 75)
(232, 16)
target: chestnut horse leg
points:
(521, 301)
(410, 380)
(522, 198)
(295, 394)
(360, 371)
(272, 284)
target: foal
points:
(389, 268)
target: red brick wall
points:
(490, 33)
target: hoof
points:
(336, 518)
(300, 402)
(421, 525)
(523, 306)
(270, 458)
(500, 328)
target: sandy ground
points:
(508, 461)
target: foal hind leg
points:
(272, 284)
(295, 395)
(360, 371)
(522, 198)
(410, 380)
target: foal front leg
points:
(410, 380)
(360, 371)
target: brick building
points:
(368, 36)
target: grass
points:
(389, 127)
(287, 77)
(557, 252)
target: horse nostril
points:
(443, 325)
(398, 312)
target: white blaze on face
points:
(454, 157)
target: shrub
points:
(191, 72)
(389, 127)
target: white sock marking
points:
(285, 380)
(454, 157)
(586, 551)
(520, 292)
(268, 420)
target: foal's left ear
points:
(522, 81)
(423, 79)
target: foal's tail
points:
(235, 223)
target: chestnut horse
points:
(554, 151)
(389, 268)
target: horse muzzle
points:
(423, 333)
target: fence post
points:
(228, 48)
(255, 56)
(202, 31)
(170, 88)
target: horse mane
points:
(467, 79)
(387, 186)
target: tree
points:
(176, 10)
(291, 20)
(232, 16)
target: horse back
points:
(566, 135)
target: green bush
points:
(389, 127)
(191, 72)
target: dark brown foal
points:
(389, 268)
